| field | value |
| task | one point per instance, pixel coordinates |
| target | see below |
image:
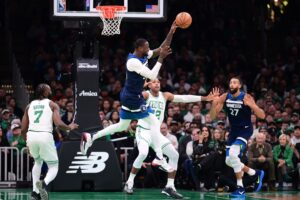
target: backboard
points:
(154, 10)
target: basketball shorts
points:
(42, 147)
(239, 136)
(145, 134)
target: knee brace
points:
(227, 161)
(234, 159)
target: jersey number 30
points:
(38, 115)
(234, 111)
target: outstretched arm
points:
(217, 106)
(249, 101)
(191, 98)
(166, 42)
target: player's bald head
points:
(43, 90)
(141, 42)
(141, 47)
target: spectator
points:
(2, 138)
(5, 122)
(295, 144)
(204, 148)
(9, 134)
(106, 108)
(188, 163)
(283, 155)
(101, 115)
(164, 130)
(175, 129)
(194, 114)
(220, 125)
(114, 117)
(295, 119)
(68, 116)
(260, 156)
(17, 111)
(17, 140)
(183, 143)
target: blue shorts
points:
(124, 114)
(239, 136)
(131, 100)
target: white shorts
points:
(145, 134)
(41, 146)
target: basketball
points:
(183, 20)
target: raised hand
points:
(213, 95)
(165, 51)
(248, 100)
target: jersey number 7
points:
(38, 114)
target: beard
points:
(233, 91)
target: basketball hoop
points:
(111, 17)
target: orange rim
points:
(109, 11)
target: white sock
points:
(170, 183)
(251, 172)
(239, 182)
(36, 173)
(131, 177)
(51, 174)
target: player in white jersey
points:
(37, 127)
(157, 101)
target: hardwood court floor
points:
(142, 194)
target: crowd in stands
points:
(204, 57)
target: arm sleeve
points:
(186, 98)
(150, 54)
(134, 65)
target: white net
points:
(111, 26)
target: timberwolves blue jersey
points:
(238, 113)
(131, 95)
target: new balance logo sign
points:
(93, 164)
(86, 66)
(87, 94)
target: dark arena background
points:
(60, 42)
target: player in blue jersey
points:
(132, 100)
(239, 107)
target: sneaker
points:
(258, 183)
(170, 192)
(85, 143)
(35, 196)
(238, 193)
(41, 186)
(128, 188)
(162, 164)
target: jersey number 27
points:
(234, 111)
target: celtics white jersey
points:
(158, 104)
(40, 116)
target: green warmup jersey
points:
(40, 116)
(158, 104)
